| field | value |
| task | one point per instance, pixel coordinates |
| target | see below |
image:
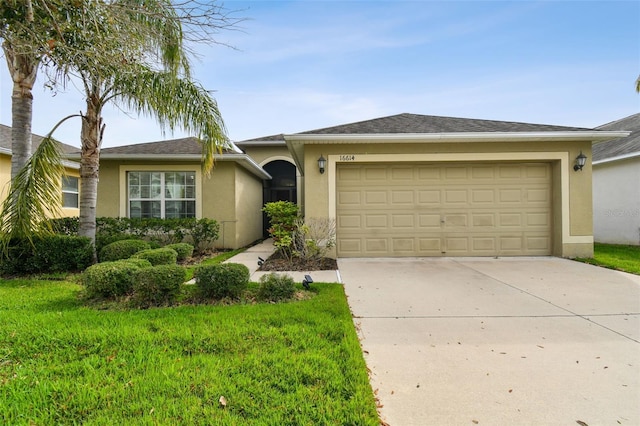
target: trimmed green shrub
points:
(54, 253)
(122, 249)
(140, 263)
(274, 287)
(159, 256)
(222, 280)
(184, 250)
(112, 279)
(158, 285)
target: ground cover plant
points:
(621, 257)
(296, 363)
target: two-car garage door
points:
(443, 209)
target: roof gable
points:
(621, 147)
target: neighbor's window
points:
(162, 194)
(70, 191)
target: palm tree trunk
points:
(91, 136)
(23, 69)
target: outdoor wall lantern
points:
(321, 164)
(581, 159)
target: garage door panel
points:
(402, 197)
(466, 209)
(399, 221)
(375, 198)
(429, 197)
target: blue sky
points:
(304, 65)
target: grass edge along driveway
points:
(296, 363)
(615, 256)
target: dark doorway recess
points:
(282, 186)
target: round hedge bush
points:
(222, 280)
(274, 287)
(112, 279)
(159, 256)
(158, 285)
(184, 250)
(122, 249)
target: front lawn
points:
(620, 257)
(296, 363)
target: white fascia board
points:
(594, 136)
(617, 158)
(71, 164)
(247, 162)
(243, 159)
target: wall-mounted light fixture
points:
(321, 164)
(581, 159)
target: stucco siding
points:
(218, 192)
(267, 153)
(108, 202)
(248, 200)
(5, 175)
(616, 202)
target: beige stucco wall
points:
(616, 202)
(5, 175)
(248, 196)
(572, 199)
(216, 195)
(264, 154)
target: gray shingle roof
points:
(5, 140)
(622, 146)
(182, 146)
(272, 138)
(414, 123)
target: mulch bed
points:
(278, 263)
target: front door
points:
(282, 186)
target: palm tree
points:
(147, 92)
(141, 65)
(23, 67)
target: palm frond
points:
(34, 195)
(175, 102)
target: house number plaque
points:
(347, 158)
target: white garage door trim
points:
(563, 157)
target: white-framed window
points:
(161, 194)
(70, 192)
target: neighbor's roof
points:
(415, 123)
(5, 141)
(621, 148)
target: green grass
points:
(295, 363)
(620, 257)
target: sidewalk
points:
(249, 258)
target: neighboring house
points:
(616, 185)
(404, 185)
(70, 185)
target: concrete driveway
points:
(527, 341)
